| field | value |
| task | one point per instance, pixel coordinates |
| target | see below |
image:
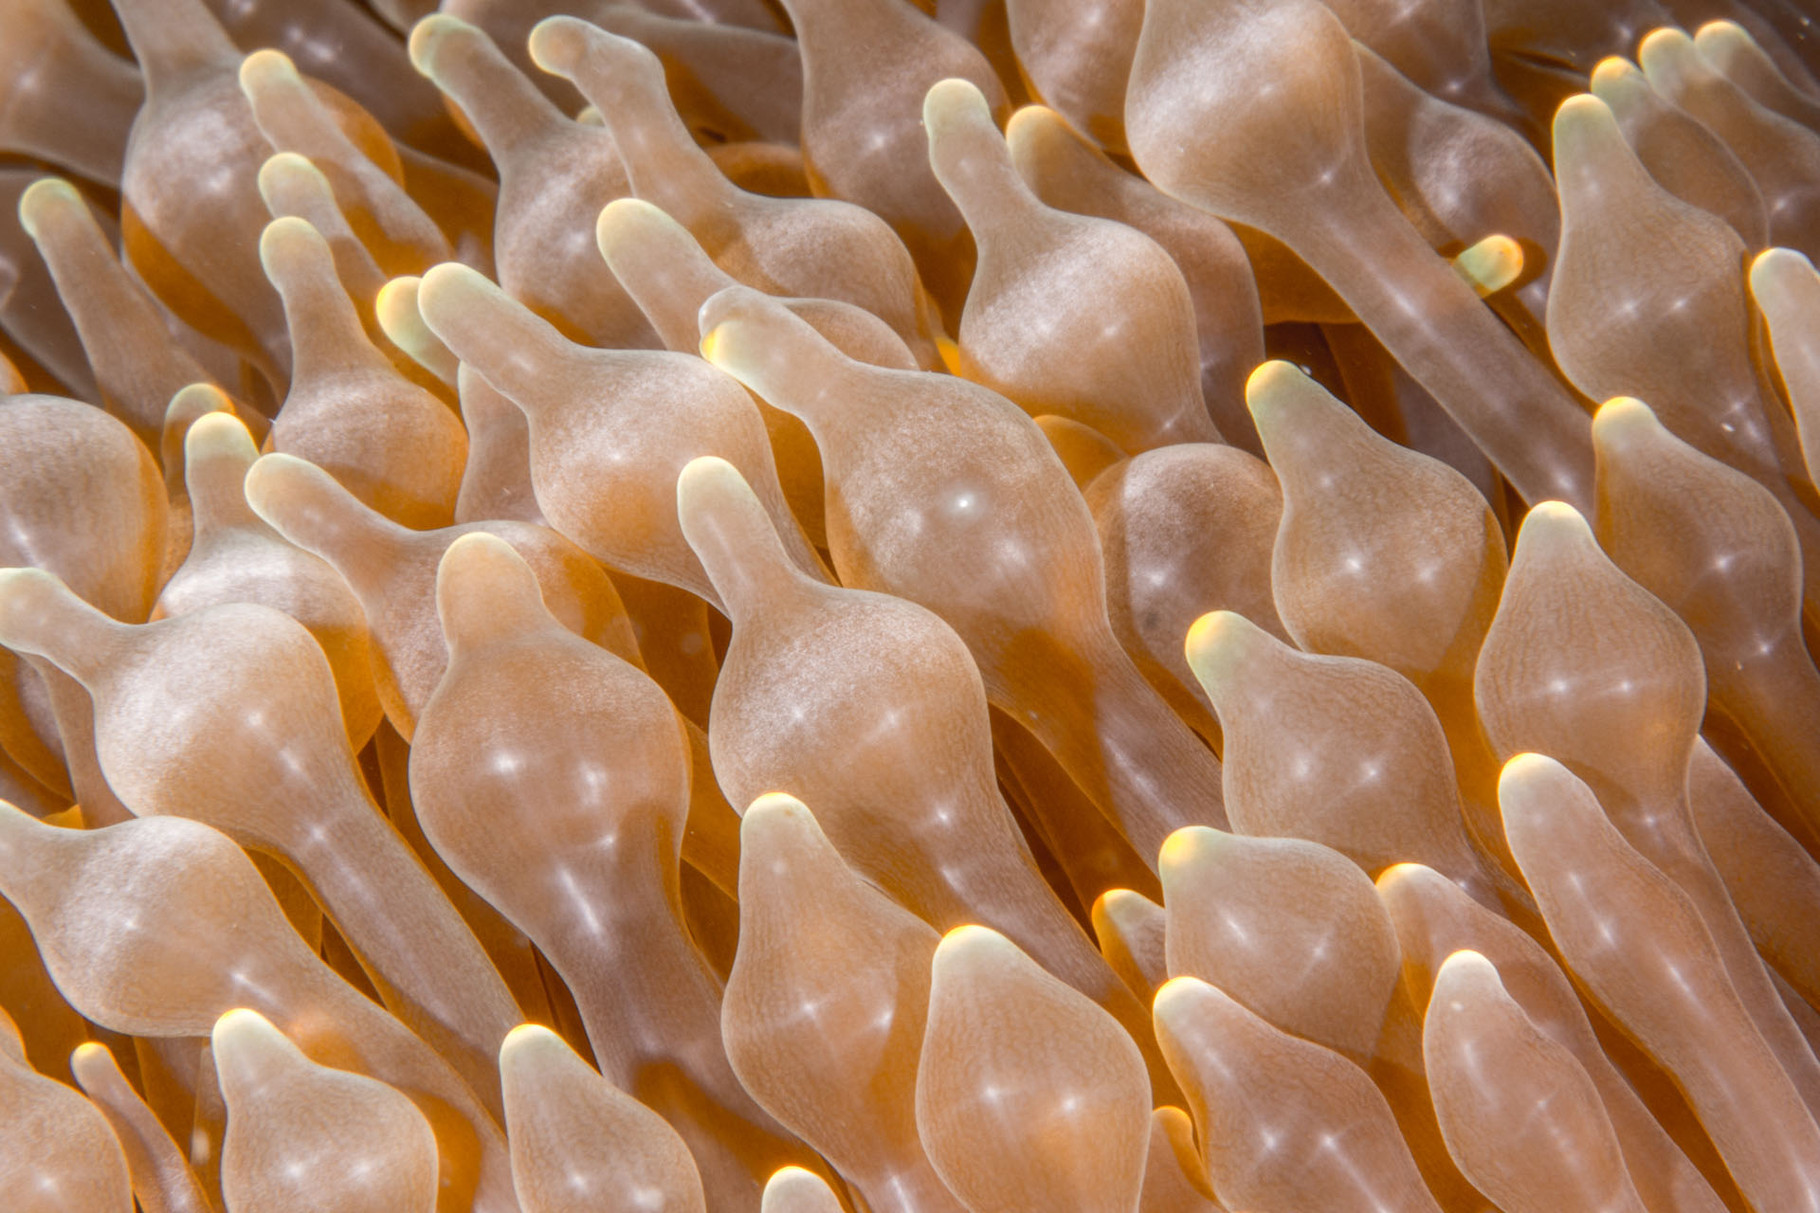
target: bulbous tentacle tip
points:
(272, 473)
(1667, 44)
(777, 804)
(625, 218)
(280, 170)
(90, 1062)
(1467, 968)
(1721, 29)
(1553, 525)
(732, 534)
(1218, 644)
(1110, 903)
(1778, 274)
(1398, 875)
(969, 947)
(638, 239)
(449, 277)
(1670, 61)
(1613, 71)
(482, 558)
(1530, 782)
(707, 483)
(559, 44)
(954, 102)
(1545, 807)
(1187, 846)
(44, 202)
(452, 295)
(398, 294)
(291, 248)
(1030, 121)
(250, 1050)
(1726, 44)
(969, 156)
(189, 404)
(1583, 123)
(242, 1027)
(395, 307)
(1036, 135)
(713, 344)
(1624, 421)
(1490, 265)
(431, 36)
(795, 1190)
(401, 320)
(193, 400)
(1175, 1000)
(778, 825)
(218, 434)
(1276, 386)
(301, 501)
(529, 1047)
(267, 69)
(729, 304)
(485, 590)
(525, 1036)
(741, 331)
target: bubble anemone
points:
(749, 607)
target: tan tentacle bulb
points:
(1540, 1107)
(595, 779)
(306, 1136)
(812, 933)
(579, 1144)
(909, 606)
(1027, 1095)
(1600, 897)
(1031, 620)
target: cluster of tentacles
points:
(1007, 606)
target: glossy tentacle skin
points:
(1702, 383)
(812, 932)
(161, 1176)
(1619, 704)
(974, 561)
(1434, 919)
(1065, 170)
(937, 835)
(60, 1153)
(237, 557)
(1126, 375)
(1718, 549)
(1015, 1115)
(821, 248)
(1672, 993)
(609, 430)
(968, 605)
(595, 779)
(1545, 1111)
(1308, 183)
(1332, 1143)
(580, 1143)
(159, 926)
(288, 1115)
(230, 716)
(1225, 893)
(392, 572)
